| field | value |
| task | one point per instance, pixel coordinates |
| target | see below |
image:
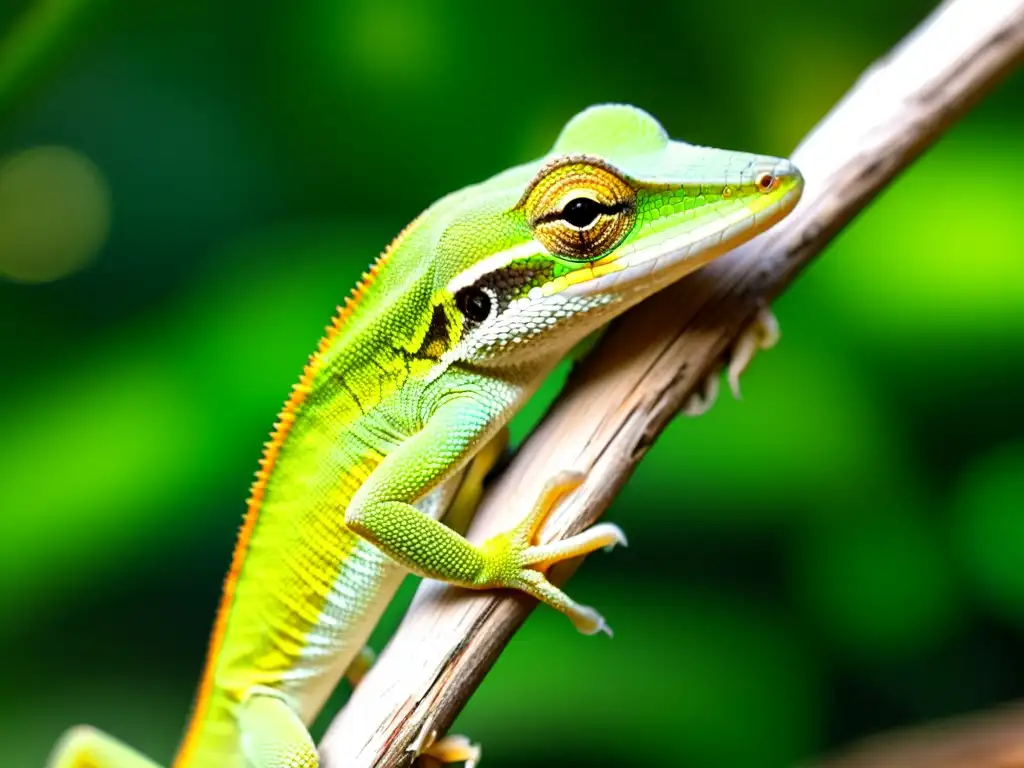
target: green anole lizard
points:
(408, 394)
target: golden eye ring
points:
(580, 210)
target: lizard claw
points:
(429, 751)
(701, 401)
(762, 333)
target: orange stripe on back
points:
(271, 451)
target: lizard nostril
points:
(766, 182)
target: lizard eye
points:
(475, 303)
(581, 212)
(580, 209)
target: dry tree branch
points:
(621, 398)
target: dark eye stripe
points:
(506, 284)
(438, 338)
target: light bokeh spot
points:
(392, 46)
(54, 213)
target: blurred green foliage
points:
(837, 553)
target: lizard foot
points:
(762, 333)
(512, 559)
(431, 752)
(700, 402)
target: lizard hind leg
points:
(471, 488)
(273, 736)
(86, 747)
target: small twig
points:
(619, 401)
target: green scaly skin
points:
(453, 328)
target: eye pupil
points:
(474, 303)
(581, 212)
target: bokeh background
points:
(188, 188)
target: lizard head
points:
(524, 265)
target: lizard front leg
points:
(382, 511)
(471, 487)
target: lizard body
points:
(454, 326)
